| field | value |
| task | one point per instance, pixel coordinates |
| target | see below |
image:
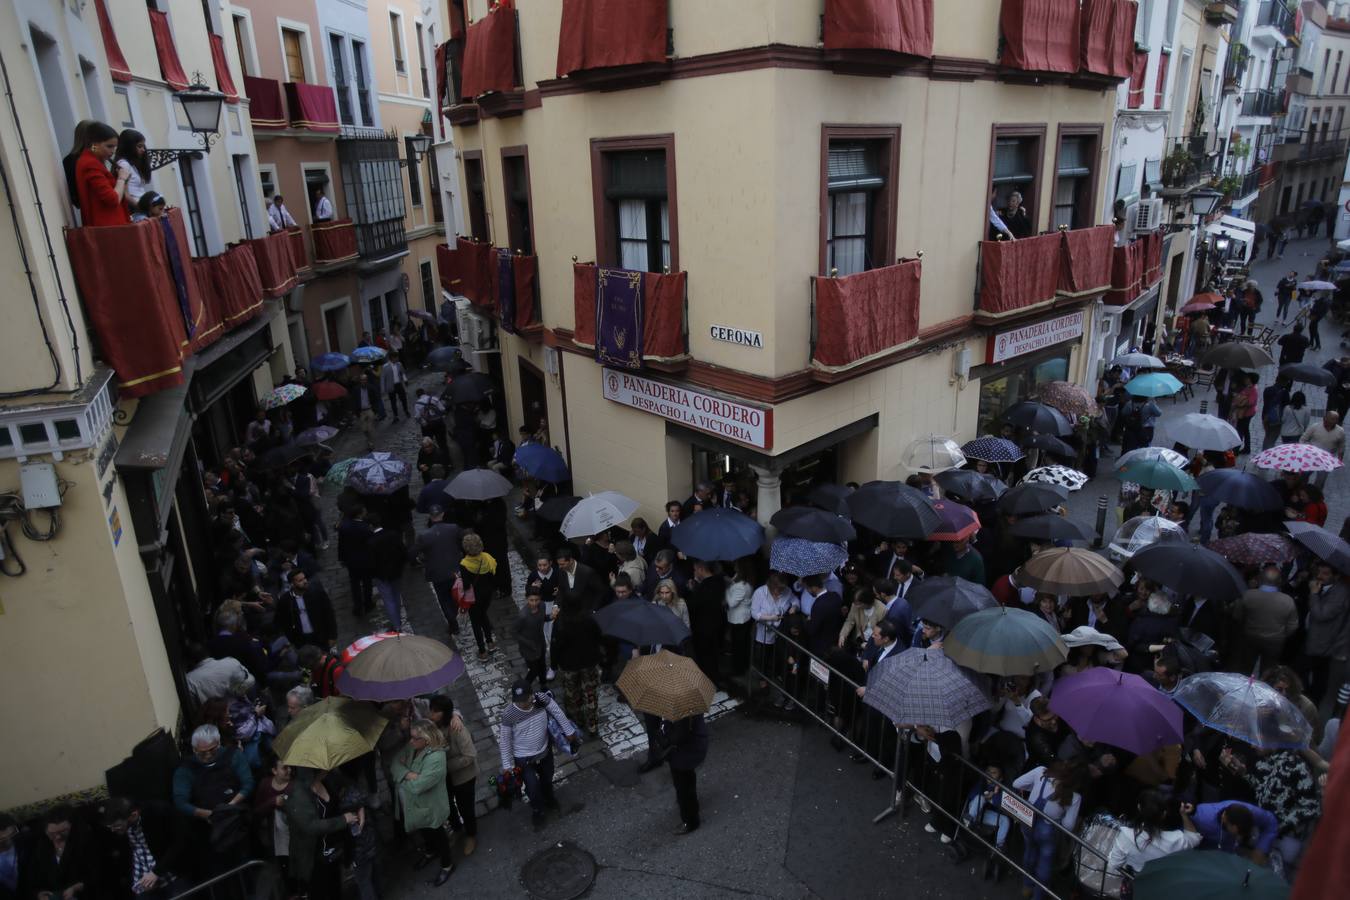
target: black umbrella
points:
(1049, 444)
(1241, 489)
(945, 600)
(1308, 374)
(893, 509)
(970, 485)
(280, 457)
(1050, 527)
(447, 359)
(831, 498)
(1031, 499)
(813, 524)
(642, 623)
(1236, 355)
(554, 509)
(1190, 569)
(433, 495)
(1038, 417)
(1323, 544)
(471, 387)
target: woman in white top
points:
(1135, 846)
(133, 160)
(768, 605)
(737, 601)
(1049, 789)
(1297, 416)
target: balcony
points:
(1135, 268)
(1235, 66)
(313, 107)
(1274, 24)
(334, 243)
(299, 252)
(499, 283)
(1301, 81)
(856, 318)
(370, 163)
(1188, 164)
(1250, 184)
(604, 306)
(1017, 275)
(1222, 12)
(1262, 104)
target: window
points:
(856, 204)
(1336, 73)
(396, 34)
(1125, 181)
(414, 171)
(51, 74)
(516, 182)
(192, 202)
(1017, 168)
(428, 286)
(437, 214)
(636, 188)
(267, 181)
(372, 188)
(1074, 181)
(362, 85)
(375, 309)
(422, 59)
(122, 107)
(89, 76)
(475, 194)
(240, 42)
(340, 85)
(292, 49)
(240, 166)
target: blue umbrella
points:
(1153, 384)
(368, 355)
(798, 556)
(543, 462)
(330, 362)
(1342, 267)
(718, 533)
(1157, 474)
(992, 449)
(1240, 489)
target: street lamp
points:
(1203, 203)
(420, 146)
(201, 106)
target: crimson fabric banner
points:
(490, 53)
(859, 316)
(1153, 245)
(335, 241)
(223, 77)
(299, 254)
(275, 266)
(1122, 38)
(901, 26)
(663, 335)
(1127, 273)
(169, 66)
(583, 303)
(525, 275)
(1086, 260)
(1135, 99)
(619, 303)
(1018, 274)
(1040, 35)
(312, 106)
(1094, 42)
(117, 63)
(265, 109)
(601, 34)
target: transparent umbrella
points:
(1242, 707)
(934, 453)
(1144, 531)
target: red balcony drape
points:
(1153, 245)
(117, 63)
(441, 86)
(1127, 273)
(1094, 42)
(1018, 274)
(335, 241)
(231, 293)
(601, 34)
(1040, 35)
(276, 268)
(860, 316)
(298, 251)
(469, 269)
(169, 65)
(265, 109)
(223, 77)
(1136, 95)
(1160, 91)
(1122, 38)
(900, 26)
(490, 53)
(526, 272)
(663, 317)
(313, 106)
(1085, 260)
(583, 303)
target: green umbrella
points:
(1003, 641)
(1158, 474)
(331, 732)
(1207, 875)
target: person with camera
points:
(526, 744)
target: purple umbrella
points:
(400, 668)
(1118, 709)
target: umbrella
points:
(1207, 875)
(813, 524)
(279, 457)
(1157, 474)
(316, 435)
(1296, 458)
(329, 733)
(1242, 707)
(368, 355)
(597, 513)
(328, 390)
(1145, 531)
(946, 599)
(399, 668)
(642, 623)
(1201, 302)
(379, 473)
(433, 494)
(800, 557)
(1254, 549)
(958, 522)
(1118, 709)
(716, 533)
(932, 454)
(1038, 417)
(1201, 431)
(892, 509)
(1139, 361)
(667, 686)
(330, 362)
(1071, 399)
(1060, 475)
(1048, 527)
(478, 484)
(1241, 489)
(446, 359)
(471, 387)
(992, 449)
(555, 509)
(423, 315)
(1236, 355)
(1070, 570)
(1307, 373)
(831, 498)
(1030, 499)
(282, 394)
(971, 486)
(1153, 384)
(922, 686)
(542, 462)
(337, 472)
(1190, 569)
(1050, 444)
(1004, 641)
(1171, 457)
(1322, 543)
(361, 643)
(1316, 286)
(1342, 267)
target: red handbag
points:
(464, 596)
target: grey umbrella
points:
(1237, 355)
(478, 484)
(1308, 374)
(1004, 641)
(1050, 527)
(946, 599)
(922, 686)
(1323, 544)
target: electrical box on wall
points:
(962, 367)
(38, 481)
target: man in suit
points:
(439, 550)
(14, 857)
(501, 454)
(63, 861)
(289, 557)
(674, 516)
(1202, 615)
(703, 497)
(898, 608)
(884, 558)
(663, 567)
(726, 496)
(354, 534)
(644, 542)
(579, 587)
(1106, 614)
(826, 617)
(707, 617)
(142, 854)
(598, 554)
(885, 642)
(230, 640)
(306, 613)
(387, 558)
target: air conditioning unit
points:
(1149, 215)
(475, 333)
(1130, 216)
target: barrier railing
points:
(255, 880)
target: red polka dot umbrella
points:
(1296, 458)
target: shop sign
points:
(738, 336)
(1037, 336)
(1019, 809)
(715, 415)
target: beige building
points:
(757, 155)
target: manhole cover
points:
(562, 872)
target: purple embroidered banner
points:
(175, 254)
(506, 291)
(618, 318)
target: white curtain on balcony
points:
(633, 235)
(846, 229)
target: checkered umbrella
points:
(379, 473)
(1323, 544)
(1296, 458)
(992, 449)
(1060, 475)
(1252, 549)
(282, 394)
(798, 556)
(924, 687)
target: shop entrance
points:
(533, 399)
(1009, 385)
(797, 478)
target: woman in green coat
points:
(419, 773)
(313, 818)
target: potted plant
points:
(1177, 167)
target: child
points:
(529, 631)
(984, 815)
(362, 842)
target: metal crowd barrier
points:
(253, 880)
(828, 694)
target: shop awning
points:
(1235, 228)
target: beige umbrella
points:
(1070, 570)
(1071, 399)
(666, 685)
(331, 732)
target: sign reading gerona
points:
(724, 418)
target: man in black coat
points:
(354, 534)
(687, 740)
(644, 541)
(306, 614)
(15, 851)
(703, 497)
(231, 640)
(663, 567)
(127, 874)
(439, 549)
(63, 859)
(387, 559)
(825, 618)
(707, 617)
(598, 554)
(579, 586)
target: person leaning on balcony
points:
(132, 159)
(996, 224)
(279, 218)
(1016, 218)
(323, 209)
(101, 192)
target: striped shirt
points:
(524, 733)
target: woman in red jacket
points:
(100, 189)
